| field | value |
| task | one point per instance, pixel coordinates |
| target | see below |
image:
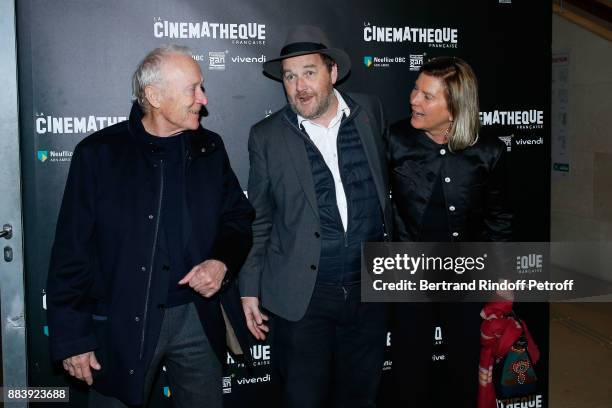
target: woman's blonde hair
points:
(461, 93)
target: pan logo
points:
(226, 383)
(241, 34)
(367, 61)
(445, 37)
(216, 60)
(507, 141)
(416, 61)
(43, 155)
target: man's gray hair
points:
(149, 71)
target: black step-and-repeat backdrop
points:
(76, 59)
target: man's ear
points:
(334, 74)
(153, 95)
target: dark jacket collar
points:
(198, 142)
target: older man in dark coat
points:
(152, 229)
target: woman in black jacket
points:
(448, 186)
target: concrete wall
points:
(581, 208)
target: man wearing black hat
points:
(318, 183)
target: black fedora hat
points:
(303, 40)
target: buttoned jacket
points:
(474, 184)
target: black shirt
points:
(171, 252)
(435, 220)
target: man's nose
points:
(201, 97)
(300, 84)
(414, 98)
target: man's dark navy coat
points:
(103, 293)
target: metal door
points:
(11, 238)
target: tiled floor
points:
(581, 355)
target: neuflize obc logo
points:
(54, 156)
(382, 62)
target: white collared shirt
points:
(325, 138)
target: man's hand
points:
(79, 366)
(206, 278)
(255, 319)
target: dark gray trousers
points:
(333, 356)
(192, 368)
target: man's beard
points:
(320, 109)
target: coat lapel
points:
(301, 164)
